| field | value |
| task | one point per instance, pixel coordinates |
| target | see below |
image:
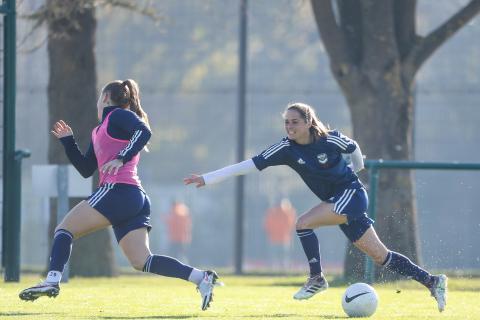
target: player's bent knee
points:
(137, 265)
(302, 223)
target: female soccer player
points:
(120, 200)
(315, 153)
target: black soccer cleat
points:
(42, 289)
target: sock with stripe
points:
(61, 249)
(311, 247)
(171, 267)
(398, 263)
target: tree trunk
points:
(382, 118)
(72, 97)
(374, 53)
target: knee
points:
(137, 264)
(379, 257)
(302, 223)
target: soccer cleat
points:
(206, 288)
(439, 291)
(42, 289)
(313, 286)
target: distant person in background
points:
(316, 153)
(279, 224)
(120, 200)
(179, 225)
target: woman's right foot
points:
(42, 289)
(313, 286)
(439, 291)
(205, 287)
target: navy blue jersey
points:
(320, 164)
(124, 125)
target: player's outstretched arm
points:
(219, 175)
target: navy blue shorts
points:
(126, 206)
(354, 204)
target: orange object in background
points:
(179, 224)
(280, 222)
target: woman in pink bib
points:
(119, 201)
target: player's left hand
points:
(112, 166)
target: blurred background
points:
(187, 67)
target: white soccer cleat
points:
(42, 289)
(313, 286)
(206, 288)
(439, 291)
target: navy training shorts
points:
(126, 206)
(354, 204)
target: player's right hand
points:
(195, 178)
(61, 129)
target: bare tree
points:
(375, 53)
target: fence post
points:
(373, 181)
(62, 204)
(13, 221)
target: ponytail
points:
(134, 100)
(126, 94)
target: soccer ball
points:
(359, 300)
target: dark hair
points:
(126, 94)
(318, 129)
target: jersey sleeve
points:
(135, 128)
(274, 155)
(86, 164)
(340, 142)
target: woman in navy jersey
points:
(316, 154)
(119, 201)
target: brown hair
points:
(318, 129)
(127, 94)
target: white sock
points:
(54, 277)
(196, 276)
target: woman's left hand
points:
(112, 166)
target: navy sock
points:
(61, 249)
(167, 266)
(398, 263)
(310, 245)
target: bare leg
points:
(82, 220)
(135, 246)
(320, 215)
(370, 244)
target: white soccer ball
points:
(359, 300)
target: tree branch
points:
(405, 29)
(426, 46)
(332, 36)
(59, 10)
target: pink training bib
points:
(106, 149)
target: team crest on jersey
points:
(322, 158)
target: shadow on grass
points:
(335, 282)
(155, 317)
(277, 315)
(20, 314)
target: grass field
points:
(149, 297)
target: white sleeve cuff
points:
(237, 169)
(357, 159)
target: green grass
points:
(149, 297)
